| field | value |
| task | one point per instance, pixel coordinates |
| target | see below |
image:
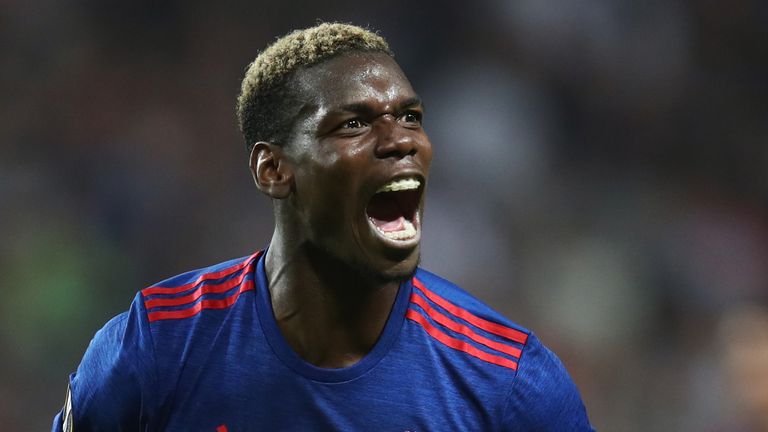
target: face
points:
(360, 160)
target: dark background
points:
(600, 176)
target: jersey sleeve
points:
(111, 390)
(543, 397)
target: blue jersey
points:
(202, 351)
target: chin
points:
(399, 271)
(377, 265)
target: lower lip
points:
(399, 244)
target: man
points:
(333, 326)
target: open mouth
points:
(393, 210)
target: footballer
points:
(332, 326)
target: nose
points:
(393, 139)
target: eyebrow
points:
(366, 109)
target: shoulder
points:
(190, 293)
(464, 305)
(185, 313)
(122, 374)
(476, 334)
(541, 394)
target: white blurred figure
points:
(744, 358)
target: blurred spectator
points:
(744, 348)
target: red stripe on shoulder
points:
(199, 307)
(489, 326)
(200, 291)
(204, 277)
(458, 344)
(462, 329)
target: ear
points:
(271, 171)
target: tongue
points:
(389, 226)
(385, 213)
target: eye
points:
(412, 117)
(352, 124)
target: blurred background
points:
(600, 176)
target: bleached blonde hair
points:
(264, 105)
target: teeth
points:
(398, 185)
(408, 231)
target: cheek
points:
(329, 190)
(342, 166)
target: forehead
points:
(354, 78)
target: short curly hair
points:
(266, 107)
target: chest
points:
(409, 390)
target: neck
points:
(330, 314)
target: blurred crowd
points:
(600, 176)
